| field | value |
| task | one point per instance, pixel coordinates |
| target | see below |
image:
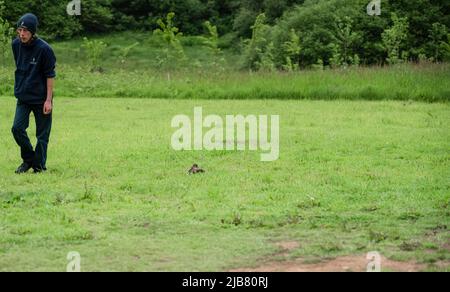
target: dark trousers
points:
(38, 157)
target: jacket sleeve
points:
(49, 63)
(14, 49)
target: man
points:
(33, 88)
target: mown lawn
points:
(353, 177)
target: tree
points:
(143, 14)
(314, 23)
(340, 33)
(346, 42)
(170, 34)
(394, 39)
(259, 50)
(291, 50)
(6, 34)
(250, 9)
(421, 14)
(212, 42)
(439, 42)
(96, 15)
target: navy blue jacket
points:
(34, 64)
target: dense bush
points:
(340, 33)
(6, 33)
(250, 9)
(54, 22)
(190, 14)
(296, 33)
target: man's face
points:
(24, 34)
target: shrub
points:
(6, 34)
(94, 50)
(394, 39)
(170, 35)
(259, 50)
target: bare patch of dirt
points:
(341, 264)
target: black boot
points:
(39, 170)
(23, 168)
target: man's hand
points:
(48, 107)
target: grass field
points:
(353, 177)
(139, 76)
(364, 166)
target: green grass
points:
(419, 83)
(145, 55)
(198, 78)
(364, 165)
(353, 177)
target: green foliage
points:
(439, 42)
(125, 51)
(2, 8)
(426, 82)
(173, 50)
(94, 50)
(347, 41)
(249, 10)
(291, 49)
(421, 14)
(318, 65)
(212, 42)
(138, 14)
(53, 19)
(394, 39)
(266, 58)
(243, 22)
(315, 24)
(337, 32)
(6, 34)
(54, 23)
(340, 33)
(259, 50)
(96, 15)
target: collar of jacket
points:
(32, 43)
